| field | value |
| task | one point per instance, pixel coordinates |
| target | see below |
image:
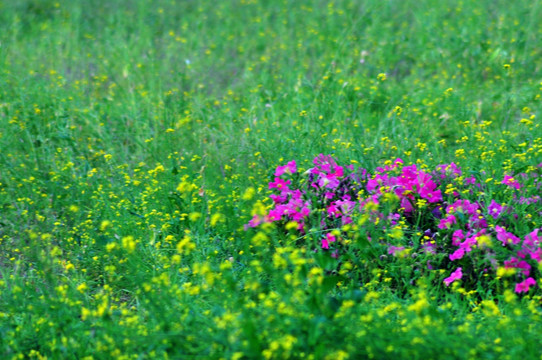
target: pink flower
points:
(457, 237)
(278, 199)
(407, 205)
(531, 245)
(329, 195)
(333, 210)
(255, 221)
(447, 222)
(393, 250)
(536, 254)
(495, 209)
(515, 263)
(525, 285)
(456, 275)
(373, 184)
(290, 168)
(431, 196)
(327, 171)
(279, 184)
(506, 237)
(464, 247)
(340, 207)
(464, 206)
(533, 239)
(426, 187)
(328, 239)
(510, 181)
(471, 180)
(276, 213)
(329, 181)
(458, 254)
(451, 170)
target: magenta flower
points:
(458, 254)
(428, 191)
(395, 164)
(329, 195)
(471, 241)
(290, 168)
(447, 222)
(333, 210)
(525, 285)
(516, 263)
(278, 199)
(329, 238)
(429, 247)
(531, 245)
(393, 250)
(407, 205)
(533, 239)
(375, 183)
(451, 170)
(279, 184)
(457, 237)
(329, 181)
(495, 209)
(510, 181)
(325, 244)
(432, 196)
(464, 206)
(506, 237)
(276, 213)
(471, 180)
(327, 172)
(456, 275)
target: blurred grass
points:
(140, 68)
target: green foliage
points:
(138, 139)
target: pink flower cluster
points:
(327, 196)
(289, 203)
(407, 185)
(456, 275)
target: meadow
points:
(270, 179)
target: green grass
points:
(138, 138)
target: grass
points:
(139, 138)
